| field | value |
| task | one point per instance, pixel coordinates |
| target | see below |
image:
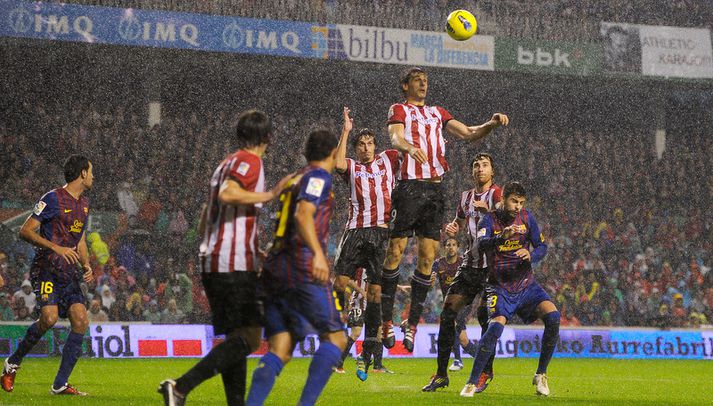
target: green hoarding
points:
(558, 57)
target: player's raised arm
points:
(474, 133)
(398, 142)
(28, 232)
(304, 221)
(341, 159)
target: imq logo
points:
(20, 20)
(131, 28)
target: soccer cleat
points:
(483, 381)
(362, 371)
(388, 338)
(409, 334)
(171, 397)
(437, 382)
(8, 376)
(67, 389)
(457, 365)
(382, 370)
(338, 370)
(468, 390)
(540, 382)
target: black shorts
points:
(469, 282)
(417, 208)
(234, 300)
(363, 248)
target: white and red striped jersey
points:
(423, 128)
(370, 189)
(357, 300)
(230, 239)
(467, 211)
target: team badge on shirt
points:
(315, 186)
(243, 168)
(39, 207)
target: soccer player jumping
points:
(371, 179)
(418, 200)
(512, 242)
(61, 262)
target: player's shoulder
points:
(242, 155)
(315, 180)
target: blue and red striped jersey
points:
(63, 220)
(289, 262)
(446, 272)
(506, 269)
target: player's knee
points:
(47, 320)
(454, 302)
(483, 317)
(552, 320)
(338, 339)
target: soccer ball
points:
(461, 25)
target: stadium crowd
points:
(629, 237)
(548, 19)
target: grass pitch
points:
(572, 381)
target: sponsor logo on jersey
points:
(76, 227)
(315, 186)
(243, 168)
(39, 207)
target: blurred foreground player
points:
(299, 296)
(228, 259)
(61, 262)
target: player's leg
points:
(236, 313)
(500, 309)
(281, 346)
(354, 333)
(48, 318)
(72, 349)
(374, 259)
(345, 264)
(420, 285)
(316, 304)
(550, 316)
(234, 377)
(390, 279)
(446, 336)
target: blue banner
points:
(105, 25)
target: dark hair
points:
(364, 132)
(451, 238)
(254, 128)
(407, 74)
(483, 155)
(320, 144)
(514, 188)
(73, 167)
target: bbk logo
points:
(541, 57)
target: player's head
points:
(364, 144)
(483, 168)
(253, 130)
(321, 146)
(451, 247)
(414, 83)
(514, 197)
(78, 168)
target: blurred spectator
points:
(96, 314)
(172, 314)
(6, 313)
(27, 295)
(152, 314)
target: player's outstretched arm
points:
(28, 233)
(233, 194)
(474, 133)
(304, 220)
(341, 161)
(399, 143)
